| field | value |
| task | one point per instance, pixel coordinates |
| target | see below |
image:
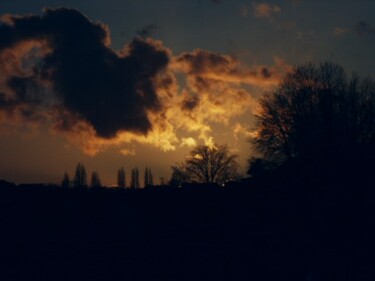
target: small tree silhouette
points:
(65, 183)
(206, 164)
(162, 181)
(121, 178)
(95, 180)
(148, 178)
(134, 183)
(80, 177)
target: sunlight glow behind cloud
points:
(99, 97)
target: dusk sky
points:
(139, 83)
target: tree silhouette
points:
(148, 178)
(134, 183)
(95, 180)
(161, 180)
(206, 164)
(121, 178)
(179, 175)
(318, 116)
(80, 176)
(65, 183)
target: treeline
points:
(80, 179)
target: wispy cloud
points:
(244, 11)
(362, 29)
(341, 31)
(128, 152)
(219, 67)
(265, 10)
(147, 31)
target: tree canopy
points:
(319, 115)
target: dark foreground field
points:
(169, 234)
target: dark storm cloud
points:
(110, 91)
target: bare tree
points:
(66, 183)
(95, 180)
(206, 164)
(121, 178)
(134, 183)
(80, 177)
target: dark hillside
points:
(183, 234)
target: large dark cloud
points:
(109, 90)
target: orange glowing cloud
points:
(225, 68)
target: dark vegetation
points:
(204, 233)
(306, 212)
(318, 127)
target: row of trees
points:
(80, 178)
(205, 164)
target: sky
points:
(139, 83)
